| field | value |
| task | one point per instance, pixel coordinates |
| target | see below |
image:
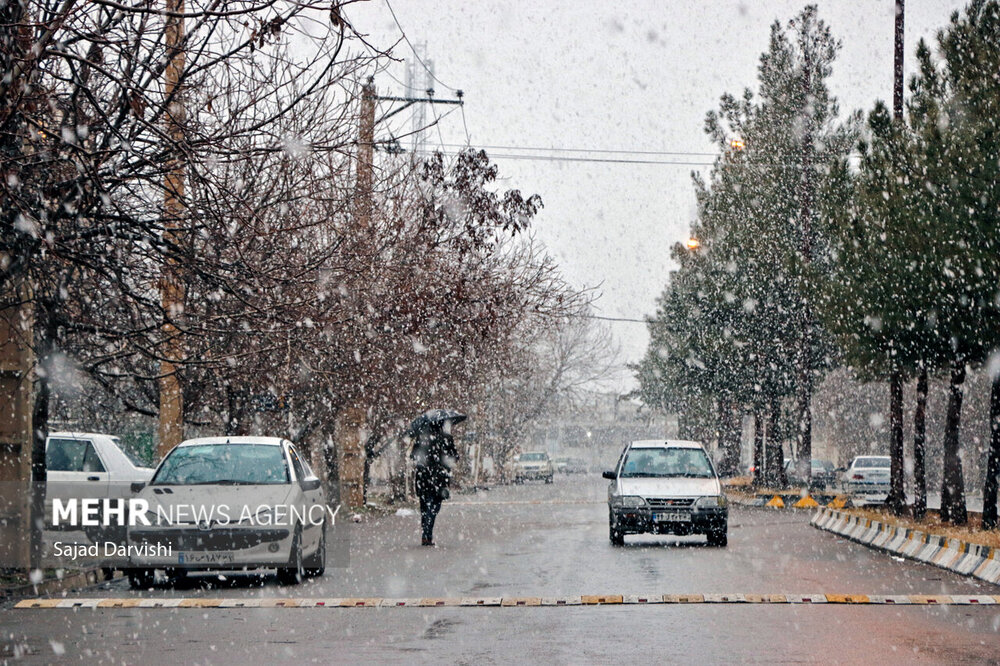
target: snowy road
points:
(546, 541)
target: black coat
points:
(435, 456)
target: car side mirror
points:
(137, 486)
(311, 483)
(610, 475)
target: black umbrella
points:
(435, 417)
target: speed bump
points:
(848, 598)
(683, 598)
(359, 603)
(434, 602)
(562, 601)
(642, 599)
(521, 601)
(591, 601)
(398, 603)
(930, 599)
(121, 603)
(199, 603)
(481, 601)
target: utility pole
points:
(896, 501)
(351, 426)
(171, 425)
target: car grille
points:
(669, 502)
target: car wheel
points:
(315, 564)
(616, 536)
(549, 480)
(295, 571)
(718, 538)
(176, 576)
(140, 579)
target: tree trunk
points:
(920, 447)
(729, 436)
(953, 488)
(735, 440)
(896, 501)
(775, 470)
(45, 341)
(758, 447)
(803, 445)
(992, 460)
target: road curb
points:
(961, 557)
(73, 581)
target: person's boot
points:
(424, 541)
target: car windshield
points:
(223, 464)
(666, 462)
(872, 462)
(532, 457)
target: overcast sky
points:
(635, 76)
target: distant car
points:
(257, 480)
(666, 487)
(86, 465)
(533, 465)
(868, 478)
(575, 466)
(823, 474)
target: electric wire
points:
(414, 50)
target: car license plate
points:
(205, 558)
(672, 517)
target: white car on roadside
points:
(868, 478)
(231, 503)
(84, 465)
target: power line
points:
(555, 158)
(414, 50)
(591, 150)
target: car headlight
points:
(632, 501)
(716, 501)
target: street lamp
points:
(736, 144)
(693, 243)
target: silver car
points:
(666, 487)
(231, 503)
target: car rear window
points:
(873, 462)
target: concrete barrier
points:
(967, 559)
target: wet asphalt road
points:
(544, 541)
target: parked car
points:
(533, 465)
(868, 478)
(823, 474)
(666, 487)
(257, 480)
(86, 465)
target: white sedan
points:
(868, 478)
(230, 503)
